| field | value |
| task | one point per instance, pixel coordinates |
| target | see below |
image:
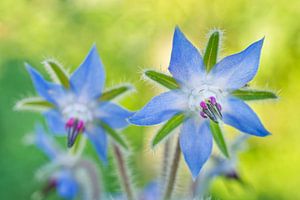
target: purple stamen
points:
(219, 106)
(70, 122)
(213, 100)
(203, 105)
(74, 127)
(203, 114)
(80, 126)
(211, 108)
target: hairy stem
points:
(165, 162)
(124, 178)
(173, 173)
(194, 185)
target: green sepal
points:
(116, 136)
(163, 79)
(252, 95)
(33, 104)
(218, 137)
(168, 127)
(211, 52)
(114, 92)
(57, 72)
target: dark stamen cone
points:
(73, 131)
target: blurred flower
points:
(204, 96)
(76, 105)
(70, 175)
(151, 192)
(220, 166)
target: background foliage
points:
(132, 35)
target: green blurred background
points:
(132, 35)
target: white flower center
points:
(78, 111)
(197, 95)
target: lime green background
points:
(133, 35)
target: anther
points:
(219, 106)
(211, 108)
(70, 122)
(213, 100)
(74, 127)
(203, 105)
(80, 126)
(203, 114)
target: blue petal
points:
(67, 186)
(55, 121)
(235, 71)
(45, 142)
(88, 80)
(239, 115)
(186, 63)
(159, 109)
(114, 115)
(195, 144)
(99, 139)
(151, 192)
(50, 91)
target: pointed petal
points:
(88, 80)
(55, 122)
(235, 71)
(45, 143)
(186, 63)
(239, 115)
(49, 91)
(66, 185)
(115, 116)
(196, 144)
(160, 108)
(99, 140)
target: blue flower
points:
(70, 174)
(77, 108)
(62, 175)
(204, 96)
(152, 191)
(219, 166)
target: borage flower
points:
(77, 105)
(219, 166)
(203, 95)
(152, 191)
(70, 175)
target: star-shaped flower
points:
(78, 105)
(203, 96)
(64, 171)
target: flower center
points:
(78, 111)
(211, 108)
(77, 116)
(206, 102)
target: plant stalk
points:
(165, 162)
(173, 173)
(124, 178)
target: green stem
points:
(165, 162)
(124, 178)
(173, 173)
